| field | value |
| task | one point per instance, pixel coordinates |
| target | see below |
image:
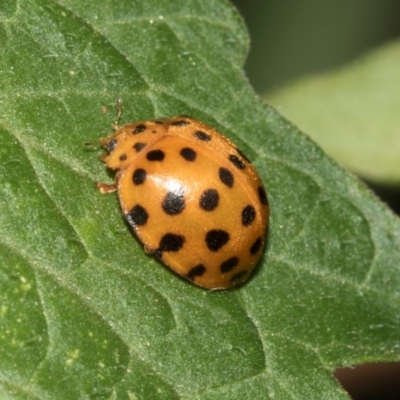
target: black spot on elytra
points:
(180, 122)
(248, 215)
(155, 155)
(209, 199)
(216, 238)
(138, 216)
(139, 129)
(242, 154)
(198, 270)
(139, 176)
(173, 203)
(188, 154)
(226, 176)
(205, 137)
(111, 145)
(229, 264)
(122, 157)
(171, 242)
(157, 121)
(139, 146)
(238, 276)
(236, 161)
(256, 246)
(262, 195)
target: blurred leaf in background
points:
(353, 113)
(291, 39)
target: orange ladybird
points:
(191, 196)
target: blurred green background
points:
(294, 38)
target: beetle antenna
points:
(115, 125)
(96, 143)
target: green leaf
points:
(84, 311)
(353, 113)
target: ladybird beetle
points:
(191, 196)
